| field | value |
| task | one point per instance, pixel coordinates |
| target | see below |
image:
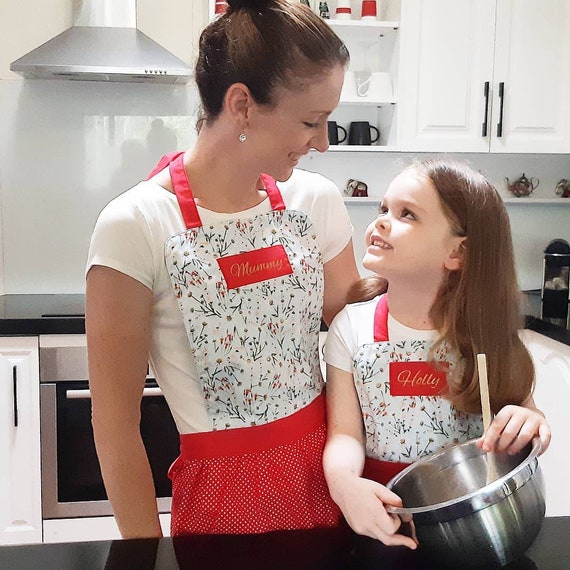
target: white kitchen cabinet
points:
(373, 47)
(552, 396)
(90, 528)
(20, 480)
(485, 75)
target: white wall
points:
(67, 148)
(533, 225)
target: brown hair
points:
(263, 44)
(478, 307)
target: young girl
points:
(446, 290)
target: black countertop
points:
(293, 550)
(22, 315)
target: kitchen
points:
(101, 129)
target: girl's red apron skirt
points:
(382, 471)
(254, 480)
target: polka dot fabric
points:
(282, 487)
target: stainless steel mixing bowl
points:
(460, 518)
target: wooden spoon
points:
(492, 474)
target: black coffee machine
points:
(556, 283)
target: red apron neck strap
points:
(273, 193)
(381, 319)
(181, 185)
(184, 193)
(163, 163)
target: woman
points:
(219, 269)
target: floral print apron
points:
(405, 415)
(250, 292)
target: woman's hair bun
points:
(245, 4)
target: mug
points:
(359, 133)
(333, 129)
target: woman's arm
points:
(118, 331)
(514, 426)
(361, 500)
(340, 274)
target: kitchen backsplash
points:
(67, 148)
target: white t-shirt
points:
(354, 327)
(399, 428)
(130, 236)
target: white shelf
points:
(362, 25)
(367, 31)
(364, 200)
(359, 148)
(544, 201)
(365, 101)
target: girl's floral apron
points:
(405, 416)
(250, 292)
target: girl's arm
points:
(514, 426)
(361, 500)
(118, 331)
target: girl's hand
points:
(513, 427)
(362, 503)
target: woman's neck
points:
(220, 180)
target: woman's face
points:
(278, 136)
(411, 237)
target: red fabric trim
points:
(273, 192)
(382, 471)
(381, 320)
(181, 185)
(163, 163)
(238, 441)
(184, 193)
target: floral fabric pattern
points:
(256, 346)
(405, 428)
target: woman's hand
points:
(513, 427)
(362, 502)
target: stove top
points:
(42, 314)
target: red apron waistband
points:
(381, 471)
(239, 441)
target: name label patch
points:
(255, 266)
(417, 378)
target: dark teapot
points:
(523, 186)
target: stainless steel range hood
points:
(103, 45)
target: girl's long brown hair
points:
(478, 307)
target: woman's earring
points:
(242, 137)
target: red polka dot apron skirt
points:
(400, 394)
(250, 291)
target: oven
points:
(72, 485)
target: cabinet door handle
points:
(486, 115)
(15, 393)
(501, 101)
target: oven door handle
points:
(86, 394)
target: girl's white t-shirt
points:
(130, 236)
(354, 327)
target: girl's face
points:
(411, 237)
(278, 136)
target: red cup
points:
(220, 7)
(368, 9)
